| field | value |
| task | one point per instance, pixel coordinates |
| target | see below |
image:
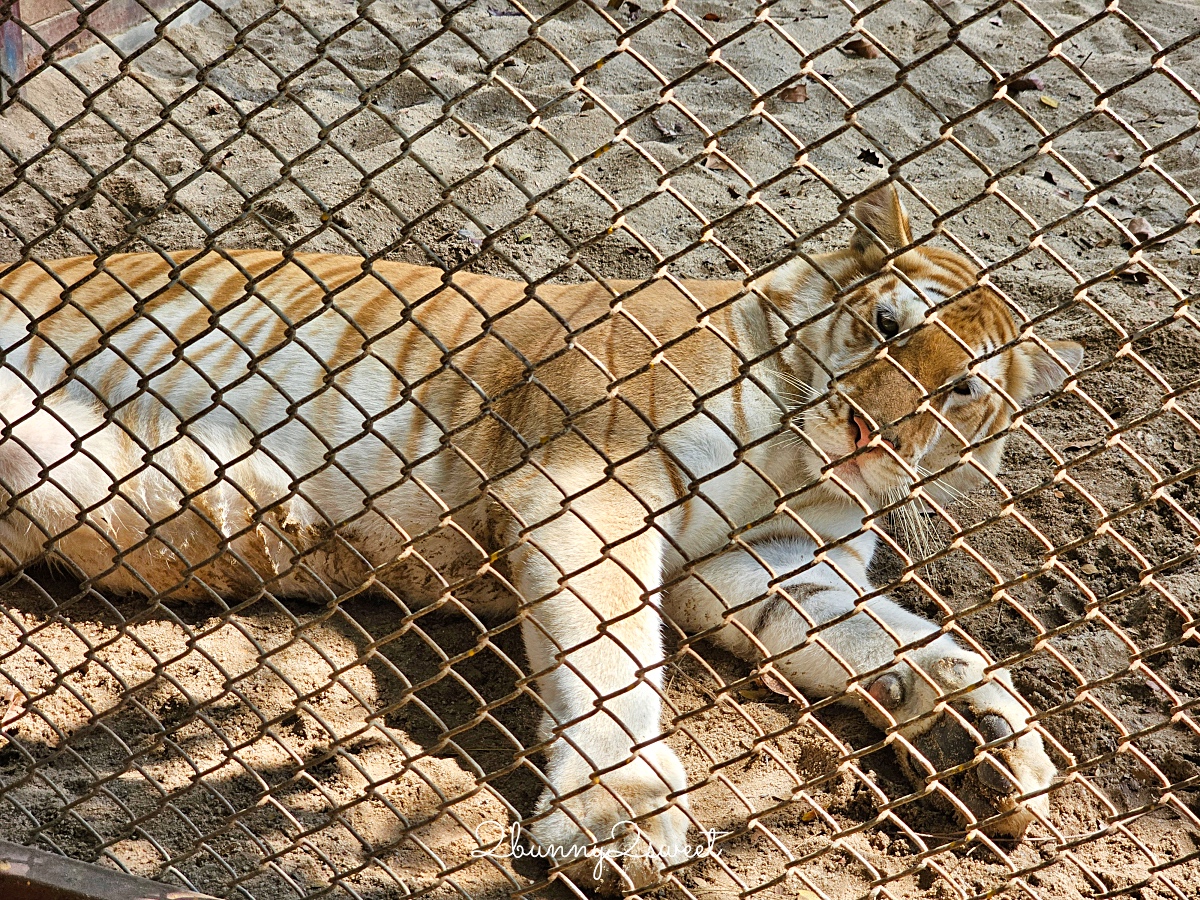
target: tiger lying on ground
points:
(302, 436)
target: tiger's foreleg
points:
(588, 570)
(820, 634)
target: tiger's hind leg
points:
(58, 463)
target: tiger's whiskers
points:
(910, 518)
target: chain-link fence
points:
(692, 510)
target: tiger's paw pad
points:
(979, 748)
(996, 780)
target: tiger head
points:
(912, 369)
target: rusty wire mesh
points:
(367, 742)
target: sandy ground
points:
(282, 750)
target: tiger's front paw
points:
(620, 834)
(979, 747)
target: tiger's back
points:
(313, 406)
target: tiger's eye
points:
(964, 389)
(886, 323)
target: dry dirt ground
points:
(283, 749)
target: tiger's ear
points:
(881, 214)
(1046, 374)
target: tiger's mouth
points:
(868, 470)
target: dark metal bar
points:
(12, 56)
(30, 874)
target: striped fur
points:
(168, 430)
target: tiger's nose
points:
(863, 431)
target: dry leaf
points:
(1058, 494)
(714, 162)
(666, 129)
(1177, 447)
(870, 157)
(1089, 569)
(1083, 445)
(711, 17)
(773, 682)
(753, 695)
(1028, 83)
(1048, 101)
(861, 47)
(470, 236)
(1115, 154)
(1140, 229)
(587, 104)
(14, 702)
(795, 94)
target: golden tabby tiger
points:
(170, 430)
